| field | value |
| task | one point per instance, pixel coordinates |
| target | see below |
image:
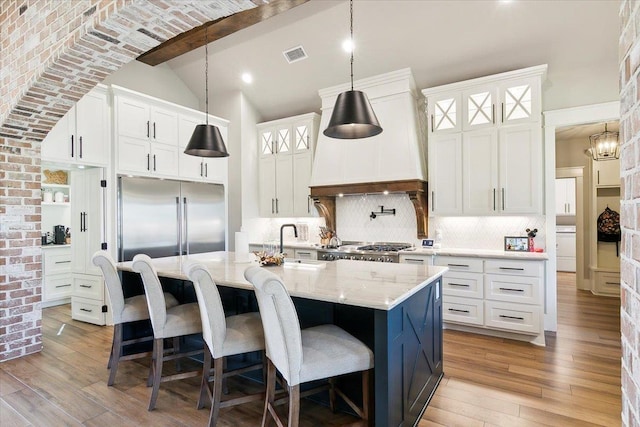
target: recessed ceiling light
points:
(247, 78)
(348, 45)
(385, 192)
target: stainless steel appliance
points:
(167, 218)
(376, 251)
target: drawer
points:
(57, 286)
(58, 261)
(305, 254)
(513, 317)
(458, 283)
(463, 310)
(607, 283)
(524, 290)
(87, 310)
(416, 259)
(456, 263)
(88, 287)
(514, 267)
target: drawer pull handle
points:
(512, 268)
(63, 286)
(63, 262)
(458, 311)
(459, 284)
(304, 253)
(458, 265)
(503, 316)
(86, 286)
(414, 260)
(612, 283)
(85, 309)
(512, 289)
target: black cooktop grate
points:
(384, 248)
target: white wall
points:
(159, 81)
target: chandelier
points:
(604, 146)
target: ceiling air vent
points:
(295, 54)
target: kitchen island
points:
(396, 309)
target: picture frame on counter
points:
(516, 244)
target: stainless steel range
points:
(377, 251)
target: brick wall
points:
(630, 215)
(53, 52)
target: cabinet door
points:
(164, 125)
(607, 173)
(189, 166)
(445, 174)
(267, 186)
(302, 164)
(445, 113)
(302, 138)
(92, 129)
(94, 217)
(217, 169)
(283, 140)
(78, 227)
(164, 159)
(480, 172)
(57, 145)
(520, 152)
(479, 108)
(565, 196)
(132, 118)
(520, 101)
(133, 155)
(266, 141)
(284, 185)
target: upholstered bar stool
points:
(174, 322)
(301, 356)
(223, 336)
(123, 310)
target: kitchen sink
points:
(303, 263)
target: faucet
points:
(295, 233)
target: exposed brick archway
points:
(54, 52)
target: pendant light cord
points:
(206, 76)
(351, 15)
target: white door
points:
(93, 217)
(284, 185)
(565, 196)
(302, 164)
(78, 227)
(57, 145)
(92, 129)
(480, 172)
(520, 152)
(267, 186)
(479, 108)
(445, 174)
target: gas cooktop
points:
(364, 251)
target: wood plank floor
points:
(575, 380)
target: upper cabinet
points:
(565, 196)
(82, 135)
(286, 149)
(207, 169)
(606, 173)
(485, 145)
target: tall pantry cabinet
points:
(485, 145)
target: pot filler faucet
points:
(295, 233)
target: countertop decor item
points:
(55, 177)
(516, 244)
(206, 140)
(352, 116)
(266, 260)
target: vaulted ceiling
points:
(442, 41)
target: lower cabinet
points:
(419, 259)
(305, 254)
(57, 284)
(499, 295)
(88, 299)
(606, 283)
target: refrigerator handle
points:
(186, 225)
(179, 225)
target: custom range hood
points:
(393, 161)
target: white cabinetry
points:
(146, 135)
(565, 196)
(566, 250)
(606, 173)
(196, 168)
(87, 222)
(494, 295)
(82, 135)
(416, 258)
(56, 275)
(485, 145)
(286, 149)
(305, 254)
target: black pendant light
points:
(352, 116)
(206, 140)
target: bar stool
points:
(123, 310)
(175, 322)
(238, 334)
(301, 356)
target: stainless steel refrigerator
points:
(166, 218)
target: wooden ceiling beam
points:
(217, 29)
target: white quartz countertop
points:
(365, 284)
(480, 253)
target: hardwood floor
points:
(575, 380)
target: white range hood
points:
(397, 154)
